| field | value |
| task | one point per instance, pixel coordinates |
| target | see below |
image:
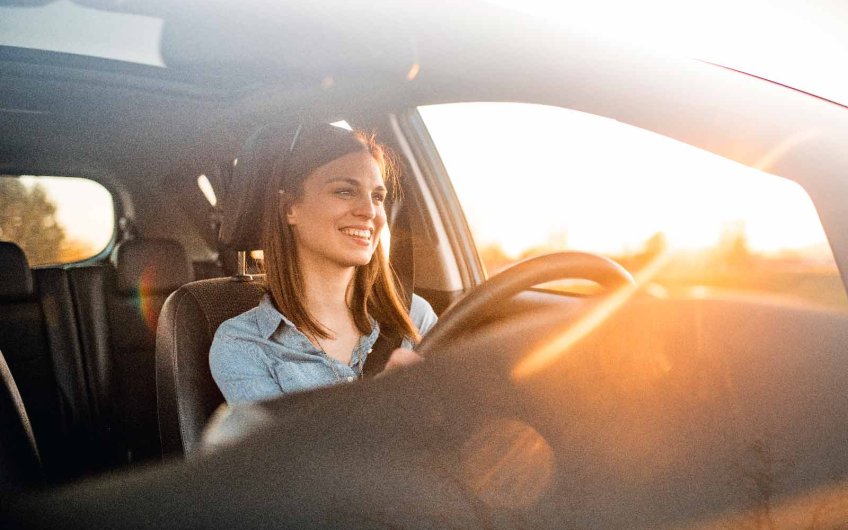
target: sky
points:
(84, 208)
(599, 185)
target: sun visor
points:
(294, 40)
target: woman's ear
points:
(287, 209)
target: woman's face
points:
(340, 215)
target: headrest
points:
(296, 149)
(151, 266)
(244, 200)
(16, 278)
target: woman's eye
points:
(379, 198)
(345, 193)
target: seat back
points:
(38, 336)
(186, 393)
(147, 272)
(20, 464)
(118, 307)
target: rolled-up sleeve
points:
(422, 316)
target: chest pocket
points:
(302, 376)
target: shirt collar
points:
(268, 318)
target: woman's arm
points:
(424, 318)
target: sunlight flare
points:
(541, 358)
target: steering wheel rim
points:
(521, 276)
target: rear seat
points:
(118, 306)
(80, 343)
(38, 336)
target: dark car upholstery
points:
(19, 460)
(80, 344)
(38, 335)
(186, 393)
(119, 305)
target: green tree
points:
(28, 218)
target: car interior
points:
(533, 409)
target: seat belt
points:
(402, 262)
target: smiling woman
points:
(329, 285)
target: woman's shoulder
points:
(260, 320)
(234, 339)
(239, 325)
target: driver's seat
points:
(186, 394)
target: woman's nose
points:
(365, 207)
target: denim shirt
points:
(261, 354)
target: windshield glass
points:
(70, 28)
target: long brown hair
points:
(374, 291)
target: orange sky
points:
(530, 175)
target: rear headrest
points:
(15, 278)
(151, 266)
(244, 200)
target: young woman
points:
(329, 283)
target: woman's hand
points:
(401, 357)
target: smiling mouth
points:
(358, 233)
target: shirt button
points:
(350, 378)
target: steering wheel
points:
(557, 266)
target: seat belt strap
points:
(402, 263)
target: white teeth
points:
(355, 232)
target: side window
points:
(56, 220)
(534, 179)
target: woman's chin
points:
(358, 261)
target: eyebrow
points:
(352, 182)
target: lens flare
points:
(144, 298)
(542, 357)
(766, 162)
(413, 72)
(506, 463)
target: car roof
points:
(229, 67)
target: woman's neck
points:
(326, 292)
